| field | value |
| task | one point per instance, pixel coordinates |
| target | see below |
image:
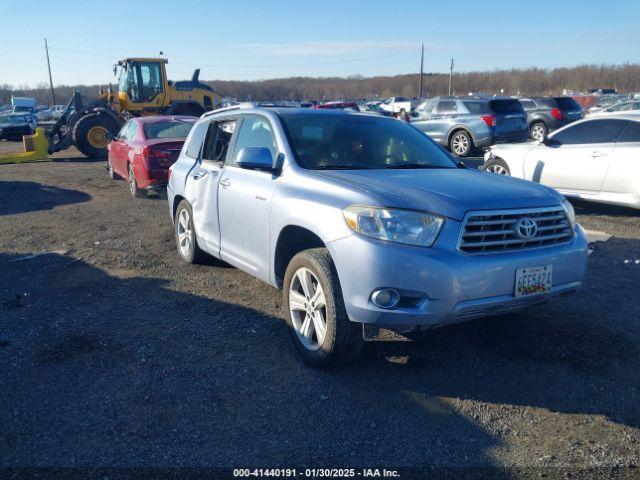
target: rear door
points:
(441, 119)
(625, 160)
(577, 157)
(245, 201)
(204, 178)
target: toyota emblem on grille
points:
(526, 228)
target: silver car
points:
(464, 123)
(364, 222)
(594, 159)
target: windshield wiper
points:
(413, 166)
(341, 167)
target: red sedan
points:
(145, 148)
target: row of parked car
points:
(464, 124)
(364, 222)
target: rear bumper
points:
(153, 179)
(493, 138)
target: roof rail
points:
(227, 109)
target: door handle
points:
(225, 182)
(200, 174)
(598, 154)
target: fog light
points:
(385, 298)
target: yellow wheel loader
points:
(143, 89)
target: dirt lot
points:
(113, 353)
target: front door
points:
(576, 158)
(244, 201)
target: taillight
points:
(156, 157)
(490, 120)
(556, 113)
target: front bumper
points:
(446, 286)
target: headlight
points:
(400, 226)
(571, 214)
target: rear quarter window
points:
(476, 107)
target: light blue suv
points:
(464, 123)
(363, 221)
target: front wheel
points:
(496, 165)
(319, 326)
(461, 144)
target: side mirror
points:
(255, 158)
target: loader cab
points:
(142, 84)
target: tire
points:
(497, 166)
(342, 339)
(133, 184)
(192, 252)
(538, 131)
(89, 134)
(112, 174)
(461, 143)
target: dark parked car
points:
(14, 126)
(546, 114)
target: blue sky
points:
(278, 38)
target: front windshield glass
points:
(348, 141)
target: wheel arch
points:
(292, 240)
(455, 129)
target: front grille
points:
(513, 230)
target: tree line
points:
(526, 81)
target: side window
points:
(196, 138)
(216, 143)
(631, 133)
(595, 131)
(527, 104)
(446, 106)
(255, 132)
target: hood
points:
(448, 191)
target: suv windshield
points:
(346, 141)
(167, 129)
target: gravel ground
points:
(115, 354)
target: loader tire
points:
(89, 134)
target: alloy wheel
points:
(496, 168)
(537, 132)
(185, 233)
(460, 144)
(308, 308)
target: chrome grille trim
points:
(493, 231)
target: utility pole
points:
(450, 75)
(421, 71)
(53, 95)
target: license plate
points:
(533, 280)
